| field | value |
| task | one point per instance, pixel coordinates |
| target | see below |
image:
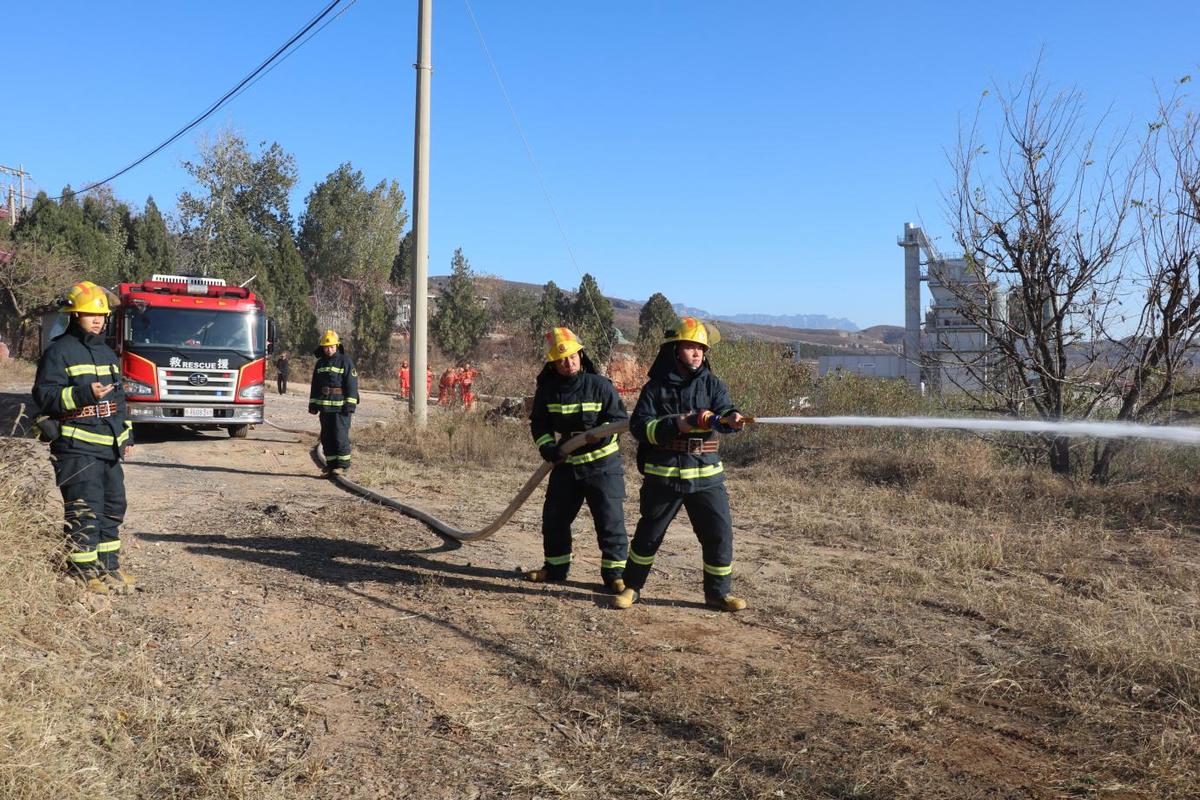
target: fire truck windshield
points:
(195, 328)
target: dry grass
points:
(936, 609)
(86, 708)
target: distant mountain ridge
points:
(810, 321)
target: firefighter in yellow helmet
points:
(334, 397)
(676, 421)
(82, 413)
(573, 397)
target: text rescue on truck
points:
(193, 352)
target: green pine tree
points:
(592, 315)
(461, 318)
(655, 317)
(150, 244)
(372, 330)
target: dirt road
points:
(365, 658)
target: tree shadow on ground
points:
(346, 561)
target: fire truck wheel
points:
(238, 431)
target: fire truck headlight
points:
(136, 388)
(252, 392)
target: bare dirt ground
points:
(396, 664)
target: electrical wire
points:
(608, 334)
(224, 99)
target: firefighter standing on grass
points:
(572, 397)
(675, 420)
(82, 407)
(334, 396)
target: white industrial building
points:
(948, 353)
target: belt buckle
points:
(695, 446)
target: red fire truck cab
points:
(193, 352)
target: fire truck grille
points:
(215, 385)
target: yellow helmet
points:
(689, 329)
(329, 338)
(86, 297)
(560, 343)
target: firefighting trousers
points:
(93, 492)
(708, 511)
(565, 495)
(335, 438)
(281, 383)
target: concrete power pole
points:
(18, 207)
(419, 318)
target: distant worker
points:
(334, 396)
(283, 366)
(466, 378)
(572, 397)
(82, 413)
(428, 383)
(676, 419)
(446, 387)
(403, 374)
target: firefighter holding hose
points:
(334, 397)
(82, 413)
(572, 397)
(676, 421)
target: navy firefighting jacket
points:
(334, 383)
(567, 406)
(63, 390)
(655, 424)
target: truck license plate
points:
(197, 412)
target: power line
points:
(293, 50)
(225, 98)
(608, 334)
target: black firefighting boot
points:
(724, 602)
(626, 598)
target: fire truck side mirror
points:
(272, 335)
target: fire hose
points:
(567, 447)
(1095, 429)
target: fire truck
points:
(193, 352)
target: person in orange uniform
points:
(466, 379)
(405, 383)
(428, 382)
(446, 387)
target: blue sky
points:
(753, 157)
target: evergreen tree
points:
(592, 314)
(402, 264)
(285, 291)
(552, 310)
(461, 317)
(655, 317)
(372, 330)
(348, 231)
(149, 244)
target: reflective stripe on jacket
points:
(654, 423)
(334, 383)
(63, 386)
(566, 406)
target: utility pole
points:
(21, 175)
(419, 318)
